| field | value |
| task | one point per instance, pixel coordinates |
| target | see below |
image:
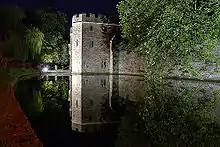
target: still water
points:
(80, 110)
(120, 111)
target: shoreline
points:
(15, 128)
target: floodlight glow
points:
(45, 69)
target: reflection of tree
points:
(29, 97)
(54, 93)
(35, 107)
(130, 132)
(171, 120)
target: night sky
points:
(70, 6)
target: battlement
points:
(89, 17)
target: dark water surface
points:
(80, 110)
(120, 111)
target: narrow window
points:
(96, 15)
(83, 82)
(76, 103)
(85, 65)
(103, 64)
(91, 28)
(103, 83)
(77, 42)
(91, 44)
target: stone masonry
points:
(89, 53)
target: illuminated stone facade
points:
(90, 54)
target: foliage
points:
(12, 31)
(51, 23)
(34, 42)
(130, 132)
(35, 106)
(54, 93)
(170, 117)
(169, 32)
(54, 50)
(55, 44)
(10, 16)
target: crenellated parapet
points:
(95, 18)
(87, 17)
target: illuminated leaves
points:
(170, 31)
(34, 41)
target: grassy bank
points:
(13, 75)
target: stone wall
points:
(95, 52)
(76, 47)
(92, 55)
(130, 63)
(208, 71)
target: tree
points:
(10, 16)
(169, 32)
(53, 27)
(51, 23)
(34, 42)
(12, 32)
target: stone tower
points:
(88, 52)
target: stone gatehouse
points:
(89, 53)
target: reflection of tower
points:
(92, 96)
(87, 96)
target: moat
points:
(88, 110)
(77, 110)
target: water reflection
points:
(98, 100)
(109, 110)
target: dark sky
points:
(70, 6)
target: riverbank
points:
(15, 129)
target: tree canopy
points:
(170, 31)
(51, 23)
(34, 40)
